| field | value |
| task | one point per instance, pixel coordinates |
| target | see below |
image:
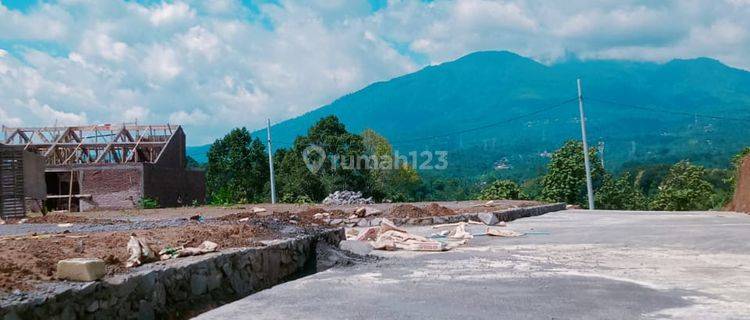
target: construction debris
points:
(502, 233)
(361, 248)
(488, 218)
(204, 247)
(258, 210)
(370, 234)
(140, 252)
(460, 232)
(81, 269)
(346, 197)
(391, 237)
(438, 226)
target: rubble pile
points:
(346, 197)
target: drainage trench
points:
(182, 288)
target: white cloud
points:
(195, 117)
(218, 64)
(170, 12)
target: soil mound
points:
(437, 210)
(741, 200)
(412, 211)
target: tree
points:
(566, 175)
(502, 189)
(620, 194)
(294, 182)
(398, 182)
(684, 188)
(342, 166)
(237, 169)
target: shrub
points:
(502, 189)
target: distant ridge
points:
(491, 86)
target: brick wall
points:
(111, 187)
(173, 186)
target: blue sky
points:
(213, 65)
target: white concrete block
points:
(81, 269)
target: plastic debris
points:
(204, 247)
(502, 233)
(140, 252)
(460, 232)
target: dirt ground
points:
(741, 200)
(28, 259)
(340, 211)
(33, 258)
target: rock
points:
(336, 222)
(375, 222)
(360, 212)
(81, 269)
(361, 248)
(363, 223)
(372, 212)
(198, 284)
(93, 306)
(258, 210)
(488, 218)
(346, 197)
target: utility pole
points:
(589, 188)
(270, 161)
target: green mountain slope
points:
(491, 108)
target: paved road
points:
(591, 265)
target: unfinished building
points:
(100, 167)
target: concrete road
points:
(574, 265)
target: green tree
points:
(620, 194)
(684, 188)
(566, 175)
(293, 180)
(237, 169)
(397, 182)
(342, 168)
(502, 189)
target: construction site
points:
(105, 167)
(78, 243)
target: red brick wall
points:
(111, 187)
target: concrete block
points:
(488, 218)
(81, 269)
(361, 248)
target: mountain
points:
(501, 111)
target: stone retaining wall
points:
(505, 215)
(177, 289)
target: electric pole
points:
(270, 161)
(589, 188)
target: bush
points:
(301, 199)
(684, 188)
(620, 194)
(148, 203)
(502, 189)
(565, 180)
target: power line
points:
(489, 125)
(684, 113)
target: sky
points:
(215, 65)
